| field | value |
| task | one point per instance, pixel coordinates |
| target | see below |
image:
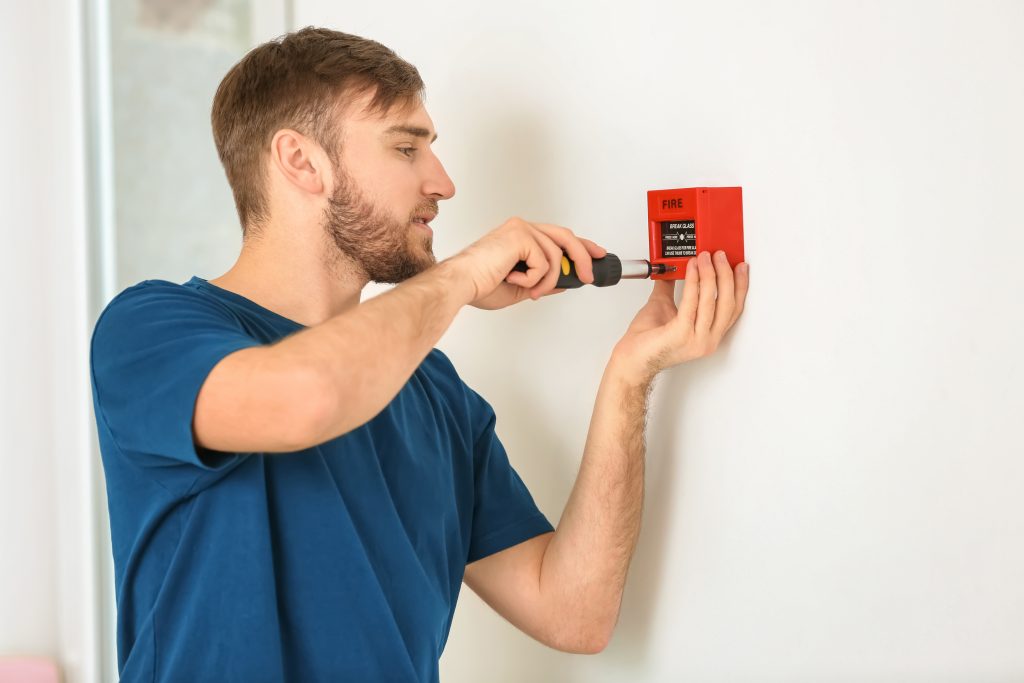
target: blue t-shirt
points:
(341, 562)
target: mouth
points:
(424, 220)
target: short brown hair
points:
(301, 80)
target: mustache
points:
(430, 206)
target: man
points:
(298, 482)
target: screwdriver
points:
(608, 270)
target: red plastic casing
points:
(717, 223)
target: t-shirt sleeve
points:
(504, 513)
(152, 349)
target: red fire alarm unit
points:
(685, 222)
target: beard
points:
(388, 251)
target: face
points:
(387, 187)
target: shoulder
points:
(152, 300)
(153, 292)
(439, 370)
(139, 295)
(437, 361)
(120, 311)
(156, 315)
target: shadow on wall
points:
(513, 162)
(515, 174)
(661, 530)
(509, 157)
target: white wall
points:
(48, 571)
(837, 494)
(27, 571)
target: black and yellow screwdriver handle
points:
(607, 271)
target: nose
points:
(437, 183)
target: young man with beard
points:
(299, 482)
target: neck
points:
(294, 274)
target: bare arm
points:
(586, 562)
(565, 588)
(331, 378)
(328, 379)
(570, 583)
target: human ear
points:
(296, 158)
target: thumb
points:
(664, 289)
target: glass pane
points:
(174, 216)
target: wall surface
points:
(48, 587)
(26, 461)
(836, 495)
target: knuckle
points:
(512, 223)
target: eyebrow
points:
(410, 130)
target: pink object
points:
(28, 670)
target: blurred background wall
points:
(49, 600)
(834, 496)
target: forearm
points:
(364, 356)
(584, 566)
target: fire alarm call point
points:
(683, 223)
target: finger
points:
(556, 291)
(707, 294)
(537, 265)
(573, 247)
(726, 302)
(529, 278)
(595, 250)
(691, 288)
(581, 258)
(554, 256)
(664, 290)
(742, 285)
(518, 279)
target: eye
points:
(407, 151)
